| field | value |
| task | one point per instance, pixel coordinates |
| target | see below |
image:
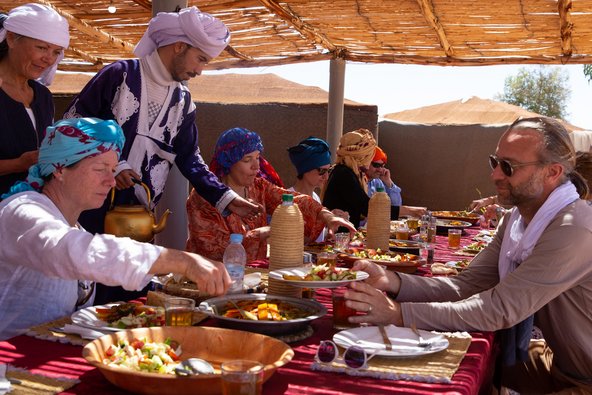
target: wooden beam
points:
(98, 34)
(80, 67)
(427, 9)
(83, 55)
(566, 26)
(237, 54)
(147, 4)
(304, 28)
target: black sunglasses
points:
(377, 165)
(507, 167)
(322, 171)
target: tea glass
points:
(179, 311)
(454, 238)
(340, 311)
(242, 377)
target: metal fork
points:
(421, 342)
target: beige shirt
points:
(555, 282)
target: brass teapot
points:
(134, 221)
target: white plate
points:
(302, 271)
(87, 317)
(404, 341)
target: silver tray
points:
(213, 306)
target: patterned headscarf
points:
(67, 142)
(356, 149)
(191, 26)
(311, 153)
(42, 23)
(232, 146)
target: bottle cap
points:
(287, 197)
(236, 238)
(379, 189)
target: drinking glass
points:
(242, 377)
(454, 238)
(340, 311)
(341, 241)
(179, 311)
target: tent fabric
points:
(471, 111)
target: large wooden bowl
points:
(215, 345)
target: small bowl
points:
(215, 345)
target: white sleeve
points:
(37, 237)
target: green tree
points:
(543, 90)
(588, 71)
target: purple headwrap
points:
(235, 143)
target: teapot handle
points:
(135, 180)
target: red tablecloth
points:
(56, 359)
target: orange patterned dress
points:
(209, 231)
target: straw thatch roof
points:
(472, 111)
(272, 32)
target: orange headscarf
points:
(379, 155)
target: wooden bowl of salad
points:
(214, 345)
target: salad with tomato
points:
(143, 356)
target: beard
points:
(531, 189)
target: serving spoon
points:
(247, 315)
(194, 367)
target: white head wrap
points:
(42, 23)
(191, 26)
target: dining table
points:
(474, 374)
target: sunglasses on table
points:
(377, 165)
(507, 167)
(322, 171)
(354, 357)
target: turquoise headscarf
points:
(67, 142)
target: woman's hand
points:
(340, 213)
(245, 208)
(28, 159)
(379, 309)
(261, 233)
(334, 222)
(484, 202)
(210, 276)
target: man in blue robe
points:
(148, 100)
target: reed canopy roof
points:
(273, 32)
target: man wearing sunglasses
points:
(379, 176)
(538, 269)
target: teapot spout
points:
(159, 227)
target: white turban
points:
(42, 23)
(191, 26)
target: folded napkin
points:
(85, 333)
(4, 383)
(402, 339)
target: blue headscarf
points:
(311, 153)
(67, 142)
(235, 143)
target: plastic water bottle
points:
(235, 259)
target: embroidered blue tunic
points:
(116, 93)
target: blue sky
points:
(394, 87)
